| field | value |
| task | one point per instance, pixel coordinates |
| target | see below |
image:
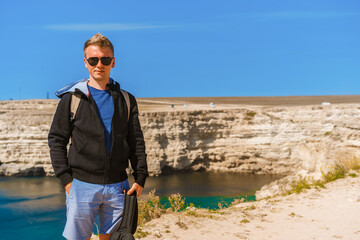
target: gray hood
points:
(79, 86)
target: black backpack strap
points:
(127, 100)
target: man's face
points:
(99, 72)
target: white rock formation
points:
(256, 139)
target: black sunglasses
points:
(93, 61)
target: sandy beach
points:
(327, 213)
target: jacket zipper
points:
(107, 158)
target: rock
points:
(157, 234)
(246, 139)
(21, 170)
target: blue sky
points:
(185, 48)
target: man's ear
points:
(86, 63)
(113, 63)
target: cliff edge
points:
(272, 136)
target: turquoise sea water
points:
(34, 207)
(31, 208)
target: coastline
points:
(291, 138)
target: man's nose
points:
(99, 64)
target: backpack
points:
(75, 101)
(129, 220)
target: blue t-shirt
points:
(105, 106)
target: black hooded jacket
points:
(87, 159)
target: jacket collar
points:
(81, 86)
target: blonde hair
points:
(99, 40)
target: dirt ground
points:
(329, 213)
(187, 103)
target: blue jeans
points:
(86, 200)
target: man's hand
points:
(135, 187)
(67, 187)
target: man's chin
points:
(100, 78)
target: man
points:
(105, 134)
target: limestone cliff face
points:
(251, 139)
(24, 126)
(254, 139)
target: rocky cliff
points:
(238, 138)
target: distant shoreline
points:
(263, 101)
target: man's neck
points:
(101, 85)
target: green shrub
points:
(140, 233)
(177, 202)
(251, 207)
(353, 175)
(300, 185)
(337, 173)
(250, 115)
(318, 184)
(149, 210)
(244, 221)
(223, 204)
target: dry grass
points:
(151, 209)
(177, 202)
(348, 161)
(344, 166)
